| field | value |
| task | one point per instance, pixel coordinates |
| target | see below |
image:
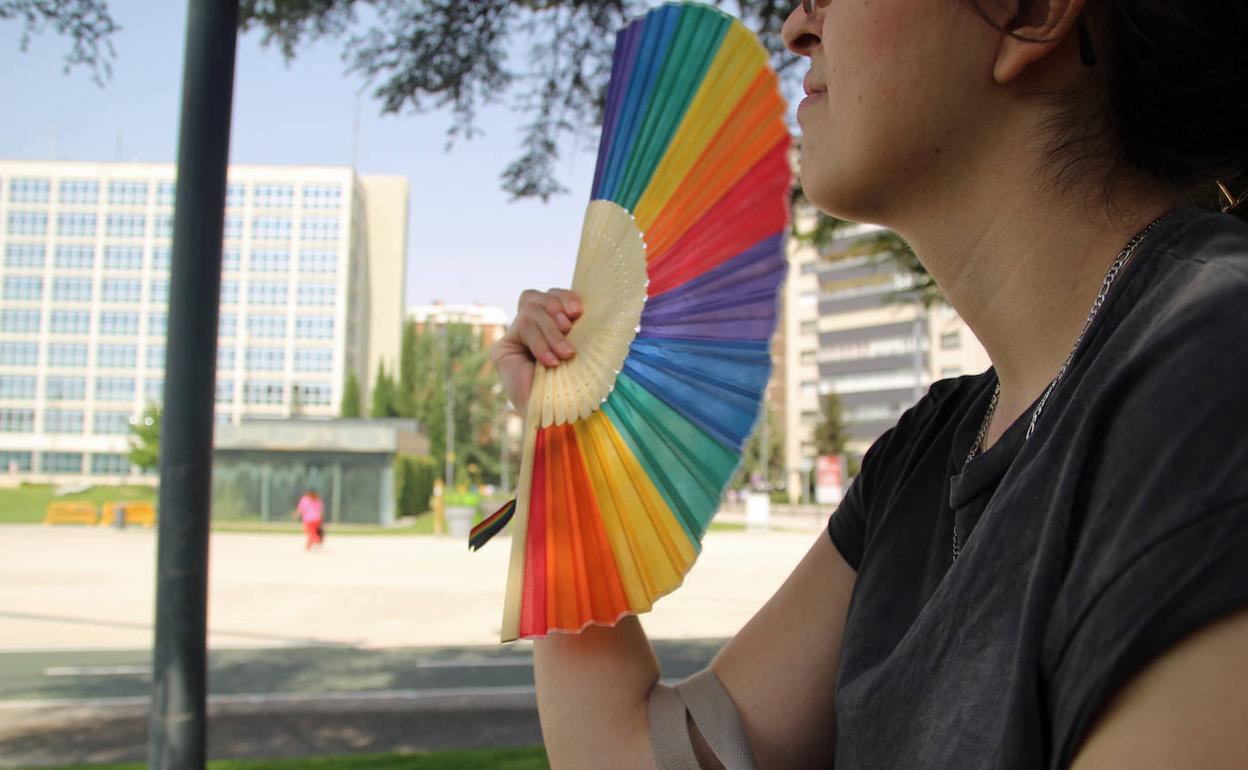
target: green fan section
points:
(693, 48)
(689, 468)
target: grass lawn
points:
(25, 504)
(481, 759)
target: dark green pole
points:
(178, 728)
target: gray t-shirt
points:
(1120, 527)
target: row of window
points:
(29, 288)
(125, 323)
(80, 257)
(81, 224)
(68, 355)
(122, 356)
(134, 193)
(22, 387)
(101, 463)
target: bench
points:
(70, 513)
(136, 512)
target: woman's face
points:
(898, 94)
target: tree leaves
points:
(87, 23)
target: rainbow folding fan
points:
(629, 445)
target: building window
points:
(155, 356)
(15, 462)
(314, 360)
(263, 392)
(314, 327)
(807, 358)
(319, 229)
(71, 289)
(270, 196)
(266, 293)
(225, 391)
(125, 225)
(810, 389)
(810, 417)
(79, 192)
(109, 464)
(62, 421)
(235, 195)
(127, 193)
(229, 292)
(322, 196)
(158, 290)
(19, 353)
(164, 225)
(123, 258)
(230, 260)
(17, 287)
(116, 356)
(23, 190)
(233, 227)
(162, 257)
(269, 261)
(166, 193)
(157, 320)
(17, 386)
(67, 355)
(23, 255)
(119, 323)
(20, 321)
(951, 341)
(809, 327)
(154, 389)
(61, 462)
(267, 326)
(317, 261)
(266, 359)
(316, 294)
(121, 290)
(17, 420)
(271, 228)
(75, 224)
(227, 325)
(115, 388)
(65, 388)
(311, 393)
(225, 358)
(111, 423)
(71, 321)
(74, 257)
(28, 223)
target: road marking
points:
(134, 670)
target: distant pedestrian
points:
(311, 510)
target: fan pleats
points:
(616, 496)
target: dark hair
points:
(1167, 93)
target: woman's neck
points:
(1023, 267)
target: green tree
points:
(752, 454)
(145, 438)
(385, 395)
(351, 397)
(831, 435)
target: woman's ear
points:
(1033, 35)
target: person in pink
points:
(311, 509)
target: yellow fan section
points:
(610, 279)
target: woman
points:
(1047, 563)
(311, 510)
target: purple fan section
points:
(735, 301)
(622, 60)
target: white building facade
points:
(309, 291)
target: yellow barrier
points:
(69, 513)
(141, 513)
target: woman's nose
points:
(801, 30)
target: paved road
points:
(91, 706)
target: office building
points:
(312, 288)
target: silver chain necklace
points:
(1124, 257)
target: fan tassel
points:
(491, 526)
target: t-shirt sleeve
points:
(1158, 544)
(848, 524)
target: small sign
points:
(829, 479)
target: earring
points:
(1231, 201)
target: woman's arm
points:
(779, 670)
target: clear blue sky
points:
(467, 242)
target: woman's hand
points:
(536, 334)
